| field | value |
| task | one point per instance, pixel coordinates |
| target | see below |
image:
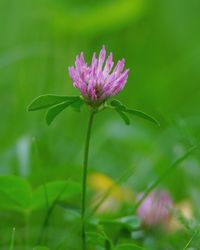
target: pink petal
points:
(120, 82)
(102, 57)
(108, 66)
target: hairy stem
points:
(84, 178)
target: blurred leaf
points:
(108, 245)
(53, 112)
(57, 190)
(128, 246)
(15, 194)
(50, 207)
(104, 15)
(46, 101)
(129, 222)
(40, 248)
(95, 238)
(72, 214)
(99, 239)
(120, 107)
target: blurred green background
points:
(160, 41)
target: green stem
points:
(84, 178)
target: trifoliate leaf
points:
(117, 105)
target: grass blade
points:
(128, 173)
(191, 239)
(165, 174)
(49, 211)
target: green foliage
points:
(99, 239)
(39, 40)
(17, 195)
(40, 248)
(165, 174)
(128, 246)
(129, 222)
(78, 104)
(46, 101)
(122, 109)
(195, 234)
(56, 190)
(123, 116)
(56, 105)
(12, 239)
(103, 14)
(53, 112)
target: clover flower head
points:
(155, 209)
(98, 81)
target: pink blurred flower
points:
(155, 209)
(98, 81)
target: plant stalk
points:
(84, 179)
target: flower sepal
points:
(97, 109)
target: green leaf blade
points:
(49, 100)
(143, 115)
(77, 105)
(53, 112)
(128, 222)
(117, 105)
(124, 117)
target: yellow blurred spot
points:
(185, 208)
(104, 186)
(102, 183)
